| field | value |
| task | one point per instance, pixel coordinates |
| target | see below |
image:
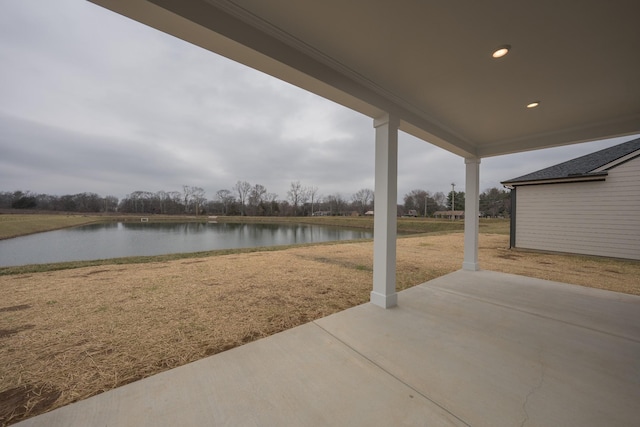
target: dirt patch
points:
(96, 272)
(81, 334)
(18, 402)
(508, 255)
(8, 332)
(15, 308)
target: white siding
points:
(594, 218)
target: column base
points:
(384, 301)
(470, 266)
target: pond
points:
(113, 240)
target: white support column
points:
(471, 212)
(386, 212)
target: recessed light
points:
(533, 104)
(501, 51)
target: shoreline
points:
(19, 224)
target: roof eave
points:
(600, 176)
(617, 162)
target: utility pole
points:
(425, 204)
(453, 199)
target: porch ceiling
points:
(429, 62)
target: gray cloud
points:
(91, 101)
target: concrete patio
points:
(474, 348)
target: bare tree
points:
(110, 203)
(24, 200)
(303, 199)
(495, 202)
(417, 201)
(225, 197)
(193, 198)
(271, 199)
(312, 192)
(174, 202)
(362, 199)
(295, 195)
(256, 197)
(440, 200)
(198, 199)
(186, 191)
(335, 203)
(161, 200)
(137, 202)
(242, 188)
(168, 202)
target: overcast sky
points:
(91, 101)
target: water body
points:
(113, 240)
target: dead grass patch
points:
(95, 328)
(23, 224)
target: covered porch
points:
(473, 348)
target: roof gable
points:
(582, 168)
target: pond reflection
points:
(113, 240)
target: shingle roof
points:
(581, 166)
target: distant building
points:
(589, 205)
(449, 214)
(368, 213)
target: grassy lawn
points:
(20, 224)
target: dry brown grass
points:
(67, 335)
(22, 224)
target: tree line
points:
(81, 202)
(248, 199)
(494, 203)
(243, 198)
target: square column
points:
(385, 218)
(471, 212)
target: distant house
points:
(368, 213)
(449, 214)
(588, 205)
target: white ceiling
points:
(429, 62)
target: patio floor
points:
(470, 348)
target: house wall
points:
(594, 218)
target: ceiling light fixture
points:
(501, 51)
(533, 104)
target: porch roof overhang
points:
(587, 177)
(429, 63)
